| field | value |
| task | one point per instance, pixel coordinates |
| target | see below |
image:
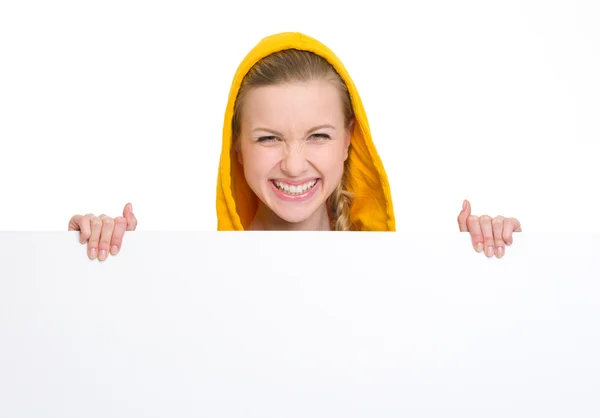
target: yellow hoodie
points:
(372, 208)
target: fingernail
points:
(92, 253)
(489, 251)
(500, 252)
(464, 205)
(114, 250)
(102, 255)
(479, 247)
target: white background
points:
(102, 103)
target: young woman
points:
(297, 154)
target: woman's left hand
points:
(491, 234)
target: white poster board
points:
(215, 324)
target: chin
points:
(293, 216)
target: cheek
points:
(258, 162)
(329, 159)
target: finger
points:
(80, 223)
(510, 225)
(463, 215)
(497, 229)
(131, 219)
(74, 222)
(517, 225)
(108, 225)
(475, 230)
(96, 228)
(488, 234)
(117, 236)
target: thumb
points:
(130, 217)
(128, 209)
(463, 215)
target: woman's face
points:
(293, 145)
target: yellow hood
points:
(372, 208)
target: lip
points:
(299, 198)
(296, 182)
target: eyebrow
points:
(315, 128)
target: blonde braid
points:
(340, 202)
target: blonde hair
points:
(293, 65)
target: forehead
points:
(297, 103)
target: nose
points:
(294, 162)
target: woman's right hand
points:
(103, 233)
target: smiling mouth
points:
(294, 190)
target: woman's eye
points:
(320, 136)
(267, 139)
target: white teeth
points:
(291, 189)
